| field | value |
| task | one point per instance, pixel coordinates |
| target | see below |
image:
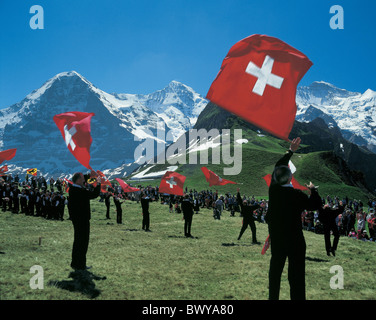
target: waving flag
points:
(257, 81)
(67, 183)
(7, 155)
(294, 182)
(33, 171)
(214, 179)
(172, 183)
(3, 169)
(92, 181)
(104, 179)
(76, 131)
(105, 182)
(126, 187)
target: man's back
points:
(187, 206)
(145, 204)
(286, 205)
(79, 202)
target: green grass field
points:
(163, 264)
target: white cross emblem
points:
(68, 136)
(264, 76)
(171, 182)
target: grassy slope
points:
(259, 156)
(163, 264)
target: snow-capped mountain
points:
(120, 123)
(354, 113)
(178, 105)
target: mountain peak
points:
(322, 93)
(369, 94)
(66, 79)
(70, 76)
(177, 86)
(322, 84)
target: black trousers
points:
(145, 220)
(80, 244)
(251, 224)
(119, 216)
(187, 224)
(295, 252)
(327, 229)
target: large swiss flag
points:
(75, 129)
(257, 81)
(172, 183)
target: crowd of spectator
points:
(357, 221)
(37, 197)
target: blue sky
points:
(140, 46)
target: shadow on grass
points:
(316, 259)
(232, 244)
(82, 281)
(182, 237)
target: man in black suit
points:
(187, 208)
(119, 211)
(145, 212)
(248, 219)
(285, 227)
(108, 204)
(79, 210)
(327, 217)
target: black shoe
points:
(328, 253)
(333, 252)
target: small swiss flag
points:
(214, 179)
(172, 183)
(3, 169)
(75, 129)
(126, 187)
(257, 81)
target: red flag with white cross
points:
(126, 187)
(3, 169)
(172, 183)
(214, 179)
(257, 81)
(75, 129)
